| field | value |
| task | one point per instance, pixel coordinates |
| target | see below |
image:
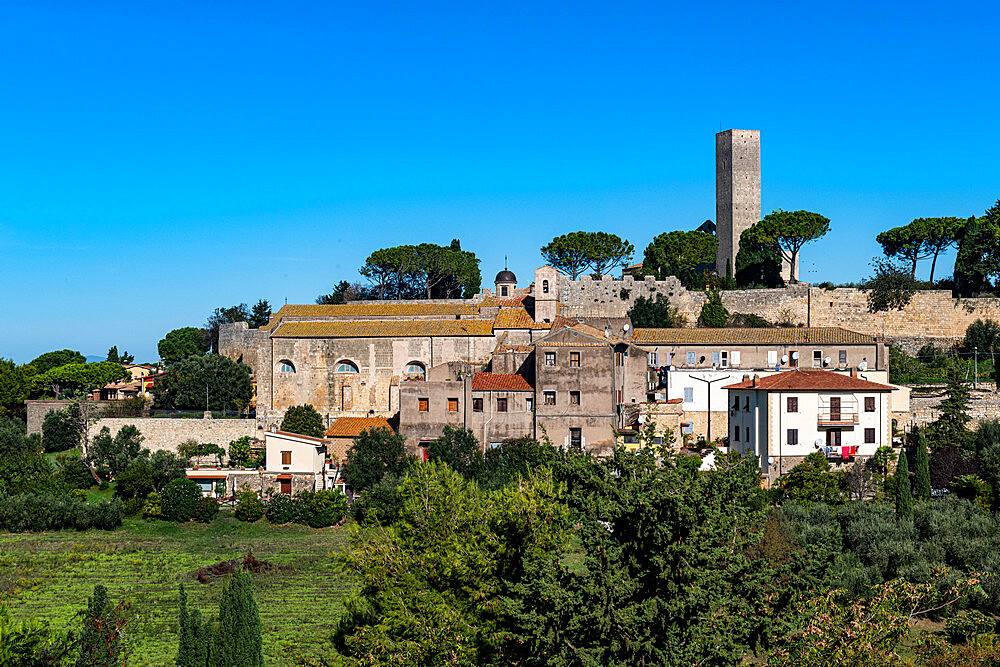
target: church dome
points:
(505, 276)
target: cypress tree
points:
(192, 650)
(185, 645)
(904, 497)
(238, 641)
(922, 475)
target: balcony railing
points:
(837, 418)
(841, 452)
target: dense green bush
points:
(713, 313)
(304, 420)
(380, 503)
(206, 509)
(133, 506)
(179, 500)
(973, 623)
(249, 507)
(74, 473)
(151, 509)
(36, 513)
(61, 429)
(135, 482)
(31, 642)
(283, 508)
(323, 508)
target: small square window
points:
(575, 438)
(574, 359)
(574, 398)
(550, 358)
(477, 405)
(422, 405)
(286, 458)
(842, 357)
(501, 405)
(452, 405)
(688, 394)
(793, 404)
(817, 358)
(869, 404)
(692, 358)
(550, 398)
(529, 403)
(869, 436)
(793, 358)
(654, 359)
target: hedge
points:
(36, 513)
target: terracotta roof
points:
(351, 427)
(502, 349)
(791, 336)
(384, 329)
(516, 318)
(378, 309)
(499, 382)
(514, 300)
(802, 379)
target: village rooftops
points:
(801, 379)
(384, 329)
(759, 336)
(499, 382)
(351, 427)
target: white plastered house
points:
(784, 417)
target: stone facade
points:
(163, 433)
(737, 192)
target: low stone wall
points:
(983, 406)
(166, 433)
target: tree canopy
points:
(123, 358)
(220, 316)
(647, 313)
(78, 377)
(758, 262)
(790, 230)
(978, 258)
(15, 383)
(890, 287)
(422, 271)
(573, 253)
(183, 384)
(682, 254)
(56, 358)
(183, 343)
(304, 420)
(343, 292)
(260, 314)
(375, 453)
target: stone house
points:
(340, 436)
(782, 418)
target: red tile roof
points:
(351, 427)
(810, 380)
(499, 382)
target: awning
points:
(284, 477)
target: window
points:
(869, 404)
(286, 458)
(869, 436)
(575, 438)
(550, 358)
(654, 359)
(723, 359)
(503, 290)
(425, 451)
(529, 403)
(550, 398)
(716, 358)
(501, 405)
(734, 358)
(618, 396)
(793, 436)
(545, 287)
(792, 404)
(692, 358)
(422, 405)
(793, 358)
(748, 434)
(736, 402)
(452, 405)
(574, 398)
(688, 394)
(285, 366)
(842, 357)
(772, 357)
(687, 427)
(574, 359)
(817, 358)
(619, 358)
(736, 434)
(416, 369)
(477, 405)
(746, 404)
(346, 366)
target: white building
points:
(784, 417)
(290, 456)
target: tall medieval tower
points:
(737, 192)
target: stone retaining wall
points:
(166, 433)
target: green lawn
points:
(51, 574)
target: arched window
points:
(285, 366)
(346, 366)
(416, 370)
(545, 287)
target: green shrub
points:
(379, 504)
(135, 482)
(133, 506)
(36, 513)
(249, 507)
(206, 509)
(151, 509)
(713, 313)
(973, 488)
(31, 642)
(323, 508)
(73, 471)
(284, 508)
(179, 499)
(79, 494)
(961, 629)
(61, 430)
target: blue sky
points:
(157, 161)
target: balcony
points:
(840, 452)
(840, 417)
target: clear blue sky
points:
(157, 162)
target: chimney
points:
(755, 380)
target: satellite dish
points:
(784, 358)
(819, 443)
(625, 328)
(863, 366)
(795, 355)
(826, 361)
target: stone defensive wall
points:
(931, 316)
(984, 405)
(167, 433)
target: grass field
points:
(50, 575)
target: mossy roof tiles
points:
(789, 336)
(384, 329)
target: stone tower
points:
(737, 192)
